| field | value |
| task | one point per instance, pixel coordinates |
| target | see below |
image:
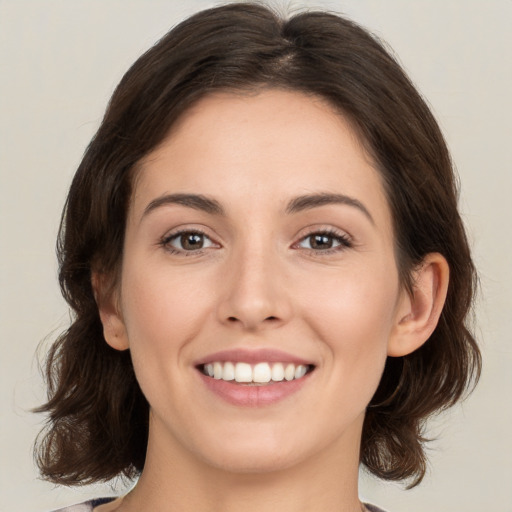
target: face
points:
(259, 248)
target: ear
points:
(418, 312)
(107, 300)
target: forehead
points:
(266, 146)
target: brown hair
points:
(93, 393)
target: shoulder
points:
(87, 506)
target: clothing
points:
(373, 508)
(88, 506)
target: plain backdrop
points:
(60, 61)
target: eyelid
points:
(345, 240)
(165, 240)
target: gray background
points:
(59, 63)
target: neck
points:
(174, 480)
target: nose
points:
(255, 293)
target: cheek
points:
(162, 309)
(164, 312)
(356, 300)
(353, 315)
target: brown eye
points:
(187, 241)
(321, 241)
(191, 241)
(325, 241)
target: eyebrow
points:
(297, 204)
(195, 201)
(309, 201)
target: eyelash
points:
(344, 242)
(166, 240)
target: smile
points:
(260, 373)
(254, 377)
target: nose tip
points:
(254, 297)
(252, 315)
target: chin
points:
(258, 461)
(248, 448)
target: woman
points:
(268, 271)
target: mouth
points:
(259, 374)
(254, 377)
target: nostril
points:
(252, 322)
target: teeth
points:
(243, 372)
(289, 372)
(260, 373)
(228, 371)
(300, 371)
(277, 372)
(217, 371)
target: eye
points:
(187, 241)
(325, 241)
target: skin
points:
(258, 282)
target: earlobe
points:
(114, 330)
(419, 311)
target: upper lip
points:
(252, 356)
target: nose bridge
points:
(255, 295)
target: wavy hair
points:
(93, 394)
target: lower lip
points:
(245, 395)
